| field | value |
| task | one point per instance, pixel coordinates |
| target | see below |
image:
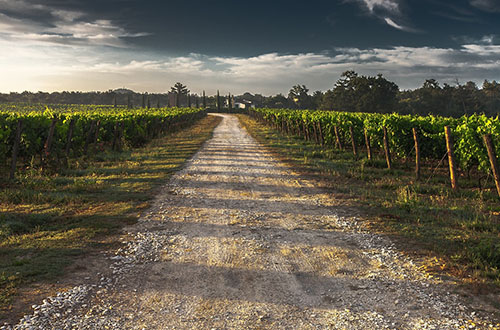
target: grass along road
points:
(54, 227)
(237, 239)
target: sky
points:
(243, 46)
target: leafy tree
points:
(361, 93)
(180, 91)
(276, 102)
(299, 97)
(218, 101)
(317, 99)
(491, 89)
(490, 97)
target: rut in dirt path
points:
(237, 240)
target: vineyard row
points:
(53, 137)
(468, 142)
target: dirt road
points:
(237, 240)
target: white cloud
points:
(390, 22)
(65, 27)
(193, 64)
(482, 50)
(406, 57)
(52, 66)
(10, 26)
(271, 65)
(20, 6)
(389, 5)
(387, 11)
(486, 5)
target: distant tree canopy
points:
(361, 93)
(352, 92)
(179, 89)
(299, 98)
(181, 94)
(277, 101)
(450, 100)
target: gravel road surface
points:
(237, 240)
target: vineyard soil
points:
(238, 240)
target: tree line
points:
(178, 96)
(351, 92)
(375, 94)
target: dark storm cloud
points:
(259, 45)
(236, 28)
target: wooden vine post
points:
(417, 153)
(69, 137)
(96, 136)
(89, 136)
(368, 146)
(116, 136)
(48, 142)
(315, 130)
(353, 141)
(451, 157)
(386, 149)
(493, 160)
(321, 136)
(15, 149)
(337, 137)
(158, 127)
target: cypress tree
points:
(218, 101)
(204, 100)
